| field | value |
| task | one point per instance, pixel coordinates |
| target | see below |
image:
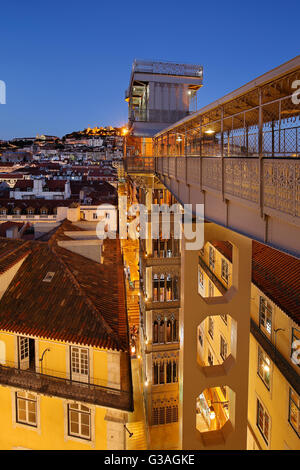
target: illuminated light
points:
(178, 139)
(266, 368)
(125, 131)
(133, 349)
(212, 415)
(209, 131)
(189, 92)
(146, 383)
(139, 357)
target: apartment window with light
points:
(264, 367)
(265, 316)
(263, 421)
(223, 348)
(79, 421)
(294, 411)
(224, 271)
(212, 258)
(26, 408)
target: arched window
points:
(155, 373)
(155, 332)
(175, 336)
(162, 288)
(161, 373)
(162, 332)
(169, 372)
(155, 288)
(169, 331)
(174, 371)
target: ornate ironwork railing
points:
(65, 388)
(276, 179)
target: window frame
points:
(263, 358)
(259, 404)
(26, 400)
(298, 410)
(80, 412)
(265, 308)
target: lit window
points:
(264, 367)
(210, 289)
(263, 421)
(294, 411)
(26, 408)
(212, 257)
(265, 316)
(79, 421)
(223, 348)
(224, 271)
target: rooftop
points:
(84, 303)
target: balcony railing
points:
(139, 164)
(66, 388)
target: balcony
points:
(65, 388)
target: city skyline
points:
(70, 70)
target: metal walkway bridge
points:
(240, 157)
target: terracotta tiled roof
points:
(275, 273)
(84, 303)
(11, 252)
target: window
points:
(200, 279)
(210, 289)
(223, 348)
(263, 367)
(294, 411)
(212, 258)
(265, 316)
(165, 288)
(263, 421)
(224, 271)
(79, 421)
(79, 364)
(211, 327)
(26, 408)
(95, 216)
(164, 371)
(155, 332)
(295, 352)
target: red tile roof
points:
(84, 303)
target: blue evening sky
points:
(66, 63)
